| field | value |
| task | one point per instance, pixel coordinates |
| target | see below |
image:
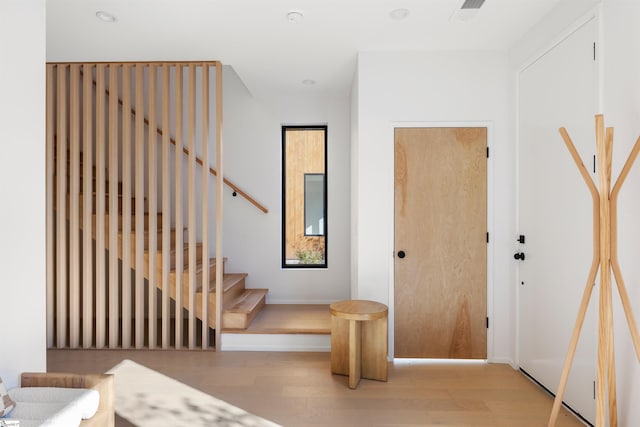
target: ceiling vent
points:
(468, 10)
(472, 4)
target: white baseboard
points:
(275, 342)
(503, 360)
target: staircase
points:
(240, 304)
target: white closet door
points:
(555, 215)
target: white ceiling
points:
(270, 53)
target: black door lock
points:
(519, 255)
(401, 254)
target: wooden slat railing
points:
(199, 161)
(105, 200)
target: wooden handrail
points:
(199, 161)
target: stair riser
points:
(198, 275)
(107, 203)
(94, 182)
(234, 292)
(133, 221)
(172, 256)
(132, 239)
(241, 320)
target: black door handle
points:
(401, 254)
(519, 255)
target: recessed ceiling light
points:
(294, 16)
(105, 16)
(308, 82)
(399, 14)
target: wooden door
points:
(440, 243)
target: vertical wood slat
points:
(205, 206)
(87, 176)
(166, 248)
(152, 228)
(114, 306)
(61, 189)
(178, 208)
(50, 211)
(100, 207)
(191, 205)
(219, 204)
(126, 206)
(68, 252)
(74, 214)
(139, 207)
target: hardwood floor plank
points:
(297, 389)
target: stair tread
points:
(247, 302)
(229, 280)
(212, 263)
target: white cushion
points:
(53, 406)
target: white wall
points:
(22, 218)
(431, 87)
(253, 161)
(621, 108)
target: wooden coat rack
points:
(605, 259)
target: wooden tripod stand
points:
(605, 259)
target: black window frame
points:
(283, 258)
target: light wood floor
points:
(297, 389)
(290, 319)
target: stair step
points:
(233, 287)
(230, 281)
(107, 202)
(239, 313)
(172, 255)
(198, 273)
(133, 221)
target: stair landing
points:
(283, 327)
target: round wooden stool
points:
(359, 340)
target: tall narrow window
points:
(304, 197)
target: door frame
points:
(490, 223)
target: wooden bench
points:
(359, 340)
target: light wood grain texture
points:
(114, 163)
(359, 340)
(127, 302)
(219, 203)
(191, 201)
(152, 208)
(100, 209)
(87, 207)
(615, 265)
(107, 206)
(139, 207)
(204, 197)
(178, 206)
(74, 212)
(588, 287)
(51, 182)
(61, 226)
(102, 383)
(166, 206)
(291, 318)
(375, 341)
(605, 250)
(297, 389)
(355, 353)
(440, 223)
(604, 178)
